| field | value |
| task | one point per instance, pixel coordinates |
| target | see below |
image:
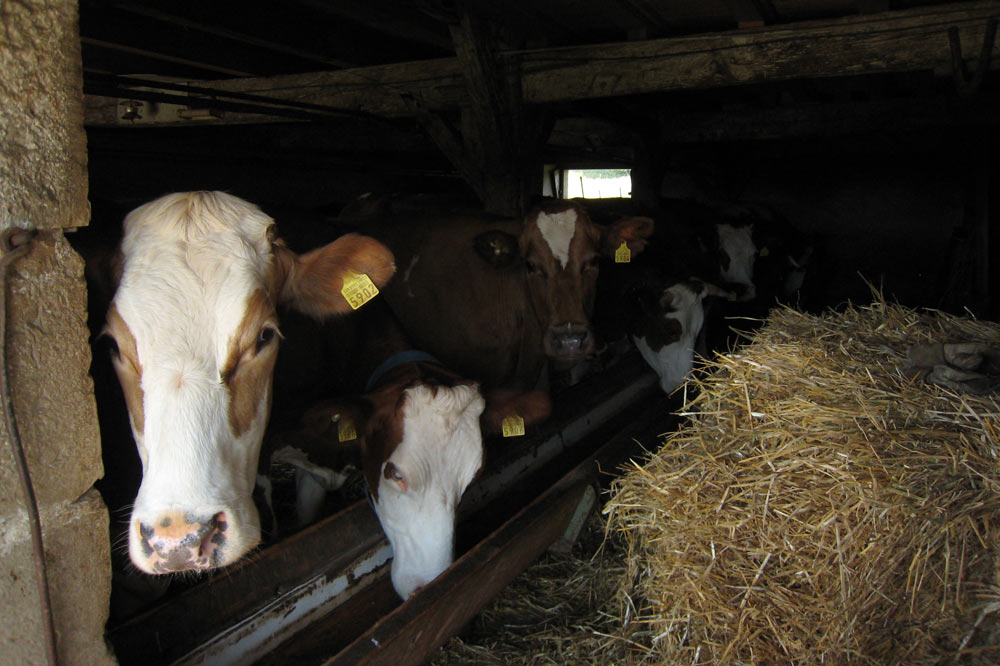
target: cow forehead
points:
(192, 260)
(175, 312)
(737, 241)
(557, 230)
(442, 442)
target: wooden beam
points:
(167, 631)
(898, 41)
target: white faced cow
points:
(197, 335)
(667, 333)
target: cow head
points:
(421, 446)
(561, 248)
(196, 336)
(737, 255)
(667, 327)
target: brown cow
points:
(493, 298)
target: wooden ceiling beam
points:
(898, 41)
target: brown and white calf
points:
(417, 434)
(196, 337)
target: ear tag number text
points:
(358, 289)
(623, 255)
(346, 431)
(512, 426)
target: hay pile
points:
(820, 508)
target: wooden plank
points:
(424, 623)
(168, 631)
(887, 42)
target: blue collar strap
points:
(408, 356)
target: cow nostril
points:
(569, 340)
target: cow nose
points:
(181, 542)
(569, 341)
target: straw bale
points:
(820, 507)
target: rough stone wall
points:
(43, 184)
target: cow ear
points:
(313, 283)
(341, 420)
(633, 231)
(533, 407)
(497, 248)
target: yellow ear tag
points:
(358, 289)
(623, 255)
(512, 426)
(346, 431)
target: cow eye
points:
(265, 337)
(112, 346)
(532, 267)
(591, 264)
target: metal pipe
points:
(14, 244)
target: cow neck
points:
(383, 345)
(396, 360)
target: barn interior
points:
(870, 125)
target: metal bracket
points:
(966, 85)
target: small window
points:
(598, 183)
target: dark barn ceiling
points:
(378, 80)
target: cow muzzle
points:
(175, 541)
(568, 341)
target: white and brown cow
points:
(506, 294)
(196, 336)
(666, 331)
(417, 434)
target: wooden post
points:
(496, 146)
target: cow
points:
(416, 431)
(496, 298)
(194, 336)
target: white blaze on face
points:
(674, 361)
(188, 279)
(737, 243)
(558, 230)
(441, 451)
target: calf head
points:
(666, 330)
(737, 255)
(196, 338)
(561, 248)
